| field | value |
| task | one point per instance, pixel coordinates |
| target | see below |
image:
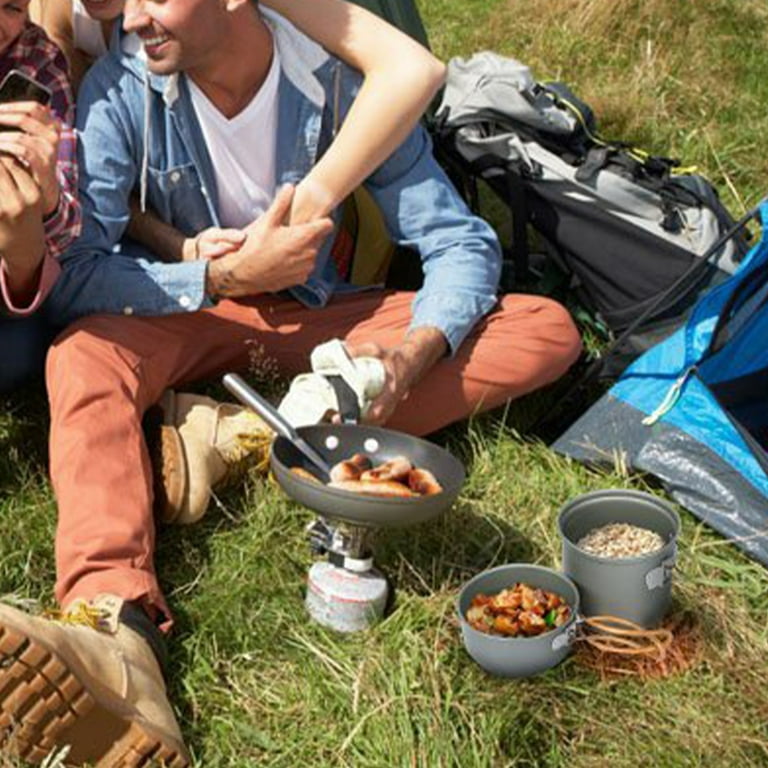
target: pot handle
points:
(661, 575)
(566, 639)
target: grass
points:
(256, 683)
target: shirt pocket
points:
(176, 195)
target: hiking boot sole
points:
(44, 706)
(170, 468)
(168, 458)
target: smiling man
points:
(212, 118)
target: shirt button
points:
(175, 177)
(127, 310)
(185, 301)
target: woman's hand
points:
(34, 141)
(22, 234)
(212, 243)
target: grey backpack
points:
(622, 224)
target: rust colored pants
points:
(105, 371)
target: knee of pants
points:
(550, 323)
(567, 333)
(82, 355)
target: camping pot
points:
(634, 588)
(518, 656)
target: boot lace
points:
(81, 614)
(245, 450)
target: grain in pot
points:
(620, 540)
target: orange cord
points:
(612, 634)
(684, 652)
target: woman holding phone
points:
(39, 216)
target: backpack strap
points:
(487, 165)
(518, 208)
(594, 162)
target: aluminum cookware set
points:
(634, 588)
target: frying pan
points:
(338, 442)
(317, 448)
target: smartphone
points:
(17, 86)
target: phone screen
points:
(17, 86)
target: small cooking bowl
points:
(635, 588)
(338, 442)
(518, 656)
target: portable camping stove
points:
(344, 591)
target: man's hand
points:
(22, 235)
(35, 144)
(274, 256)
(212, 243)
(405, 366)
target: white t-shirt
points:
(242, 150)
(87, 33)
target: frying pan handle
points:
(237, 386)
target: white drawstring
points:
(145, 148)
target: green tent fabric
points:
(403, 14)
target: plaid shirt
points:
(35, 55)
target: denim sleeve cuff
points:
(453, 314)
(185, 281)
(48, 274)
(182, 287)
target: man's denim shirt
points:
(125, 147)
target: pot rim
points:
(571, 507)
(551, 633)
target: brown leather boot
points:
(202, 444)
(86, 680)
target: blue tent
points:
(693, 410)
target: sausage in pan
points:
(383, 488)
